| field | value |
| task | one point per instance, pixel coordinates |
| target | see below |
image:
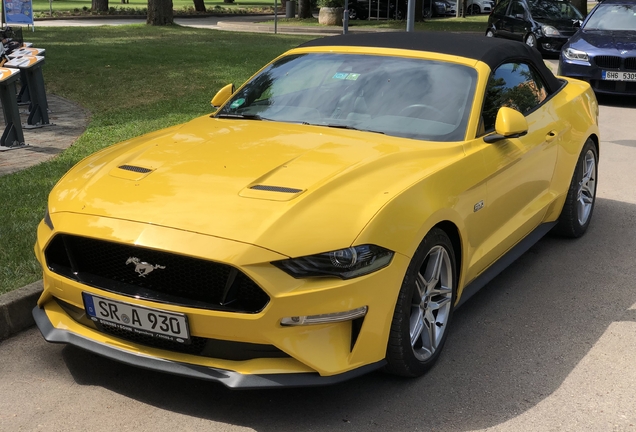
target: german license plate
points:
(141, 320)
(619, 76)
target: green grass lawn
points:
(133, 79)
(41, 8)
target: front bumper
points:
(228, 378)
(594, 76)
(551, 44)
(312, 354)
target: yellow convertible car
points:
(327, 219)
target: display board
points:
(18, 12)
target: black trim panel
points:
(228, 378)
(502, 263)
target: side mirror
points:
(222, 96)
(510, 123)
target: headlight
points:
(572, 54)
(550, 31)
(343, 263)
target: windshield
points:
(613, 17)
(553, 10)
(403, 97)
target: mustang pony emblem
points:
(143, 268)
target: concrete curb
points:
(15, 309)
(252, 27)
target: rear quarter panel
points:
(577, 109)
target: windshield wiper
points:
(342, 126)
(241, 116)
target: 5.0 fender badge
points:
(143, 268)
(478, 206)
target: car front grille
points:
(612, 62)
(618, 87)
(212, 348)
(630, 63)
(154, 275)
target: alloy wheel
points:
(431, 303)
(587, 188)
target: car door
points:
(516, 21)
(497, 17)
(518, 170)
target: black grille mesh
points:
(621, 87)
(276, 189)
(195, 347)
(611, 62)
(154, 275)
(136, 169)
(630, 63)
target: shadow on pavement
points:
(510, 346)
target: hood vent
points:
(136, 169)
(276, 189)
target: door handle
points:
(550, 136)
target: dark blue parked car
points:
(603, 51)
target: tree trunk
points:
(99, 5)
(581, 5)
(419, 16)
(160, 12)
(304, 9)
(199, 6)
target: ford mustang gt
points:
(327, 219)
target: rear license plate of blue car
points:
(139, 320)
(619, 76)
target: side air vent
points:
(136, 169)
(276, 189)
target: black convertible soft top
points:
(491, 51)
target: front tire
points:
(531, 40)
(579, 203)
(424, 307)
(490, 33)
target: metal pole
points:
(410, 17)
(276, 16)
(345, 18)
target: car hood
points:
(293, 189)
(601, 40)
